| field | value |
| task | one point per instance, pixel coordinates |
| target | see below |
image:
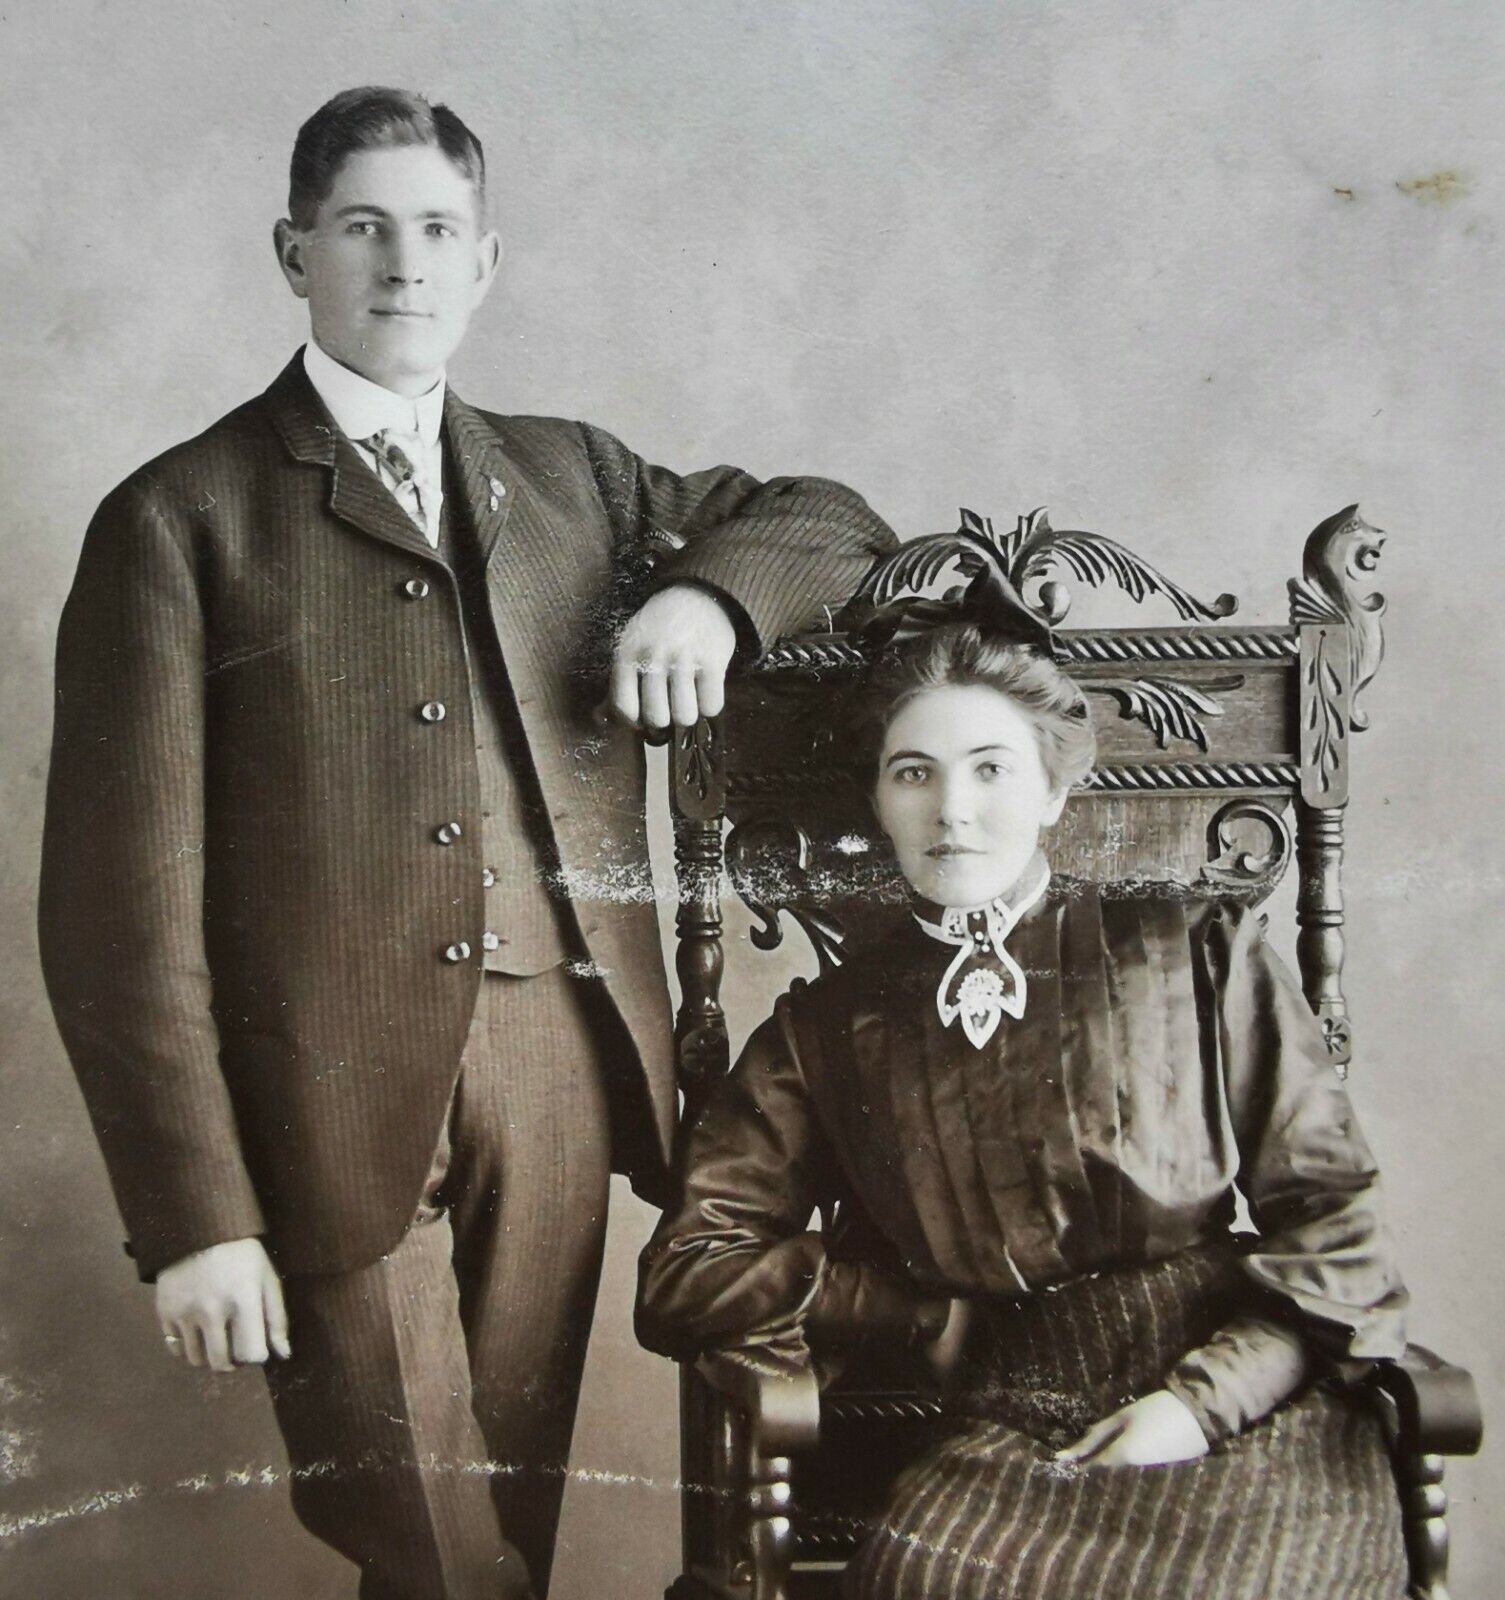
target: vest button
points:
(488, 878)
(416, 588)
(432, 711)
(459, 951)
(489, 941)
(447, 832)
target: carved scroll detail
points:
(1168, 708)
(1243, 874)
(1022, 558)
(768, 860)
(1341, 554)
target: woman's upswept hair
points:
(960, 654)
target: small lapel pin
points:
(498, 489)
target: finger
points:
(276, 1316)
(216, 1345)
(193, 1345)
(684, 701)
(710, 690)
(1096, 1438)
(172, 1341)
(624, 690)
(248, 1333)
(653, 694)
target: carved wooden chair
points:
(1227, 756)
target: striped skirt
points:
(1301, 1507)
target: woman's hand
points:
(944, 1351)
(1152, 1431)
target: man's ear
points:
(288, 242)
(488, 259)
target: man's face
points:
(393, 266)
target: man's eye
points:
(441, 230)
(365, 229)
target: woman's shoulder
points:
(1219, 933)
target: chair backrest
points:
(1222, 752)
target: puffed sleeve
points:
(1323, 1257)
(734, 1261)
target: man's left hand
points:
(671, 660)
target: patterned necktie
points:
(402, 455)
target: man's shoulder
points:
(520, 429)
(238, 442)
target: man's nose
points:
(401, 263)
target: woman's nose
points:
(953, 802)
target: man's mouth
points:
(400, 311)
(944, 852)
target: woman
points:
(1036, 1103)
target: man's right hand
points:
(222, 1307)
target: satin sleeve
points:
(734, 1260)
(1330, 1292)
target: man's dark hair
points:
(372, 118)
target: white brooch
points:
(981, 995)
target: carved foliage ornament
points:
(1341, 555)
(1168, 708)
(991, 575)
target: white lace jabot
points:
(983, 981)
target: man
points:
(346, 916)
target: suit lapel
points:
(485, 477)
(356, 495)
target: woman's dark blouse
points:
(1165, 1059)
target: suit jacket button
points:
(447, 832)
(459, 951)
(432, 711)
(489, 941)
(488, 878)
(416, 588)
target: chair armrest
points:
(1437, 1405)
(776, 1390)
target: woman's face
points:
(962, 792)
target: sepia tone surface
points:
(1194, 276)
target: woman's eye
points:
(992, 769)
(910, 775)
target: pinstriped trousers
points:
(429, 1401)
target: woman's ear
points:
(1055, 804)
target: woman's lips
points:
(944, 852)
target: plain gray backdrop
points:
(1194, 275)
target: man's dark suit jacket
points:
(245, 917)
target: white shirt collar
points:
(361, 408)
